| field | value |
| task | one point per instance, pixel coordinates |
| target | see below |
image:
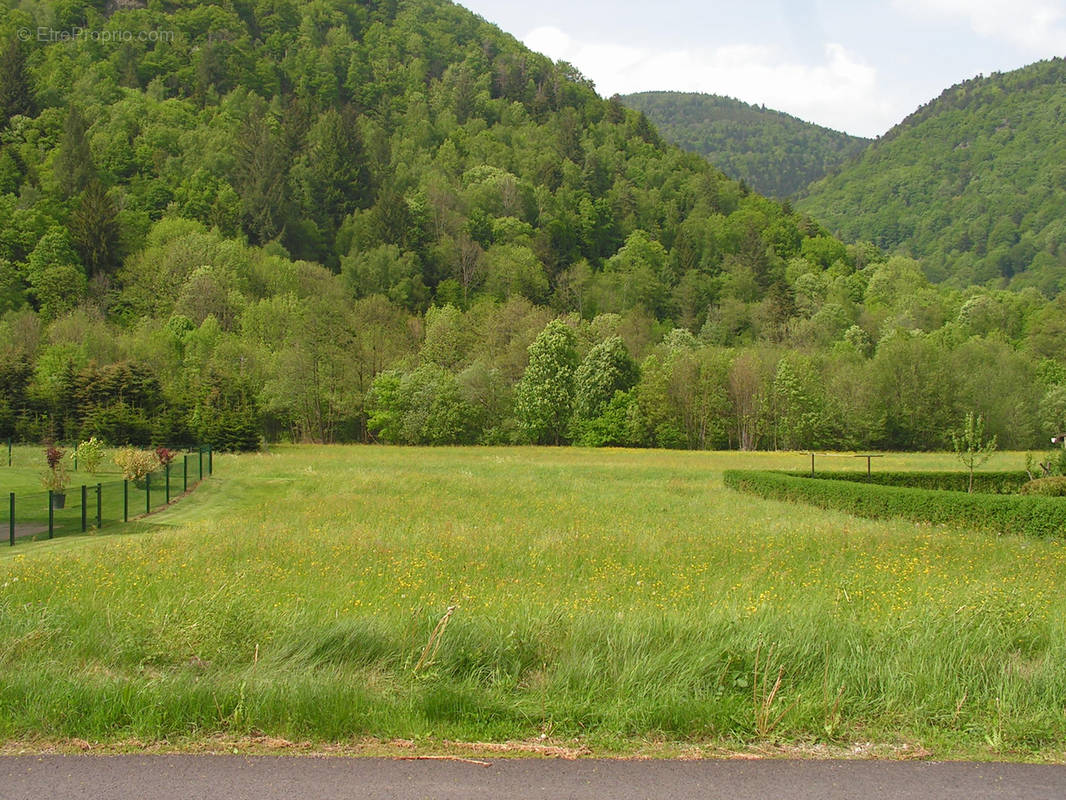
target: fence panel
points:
(91, 501)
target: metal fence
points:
(94, 501)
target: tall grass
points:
(616, 596)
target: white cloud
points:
(1038, 26)
(841, 91)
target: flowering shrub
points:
(164, 456)
(89, 454)
(135, 464)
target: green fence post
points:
(11, 521)
(125, 500)
(75, 459)
(148, 493)
(166, 469)
(185, 473)
(201, 454)
(210, 452)
(84, 510)
(99, 506)
(51, 513)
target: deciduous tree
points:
(544, 397)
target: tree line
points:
(308, 361)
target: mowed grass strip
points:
(613, 596)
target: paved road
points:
(284, 778)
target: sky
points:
(855, 66)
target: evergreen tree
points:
(94, 229)
(332, 177)
(16, 85)
(260, 176)
(74, 167)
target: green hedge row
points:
(986, 482)
(1000, 513)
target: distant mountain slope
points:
(774, 153)
(974, 183)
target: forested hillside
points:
(774, 153)
(973, 183)
(389, 221)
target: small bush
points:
(135, 464)
(1000, 513)
(54, 456)
(89, 454)
(1046, 487)
(55, 477)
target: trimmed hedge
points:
(1000, 513)
(985, 482)
(1055, 486)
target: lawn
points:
(116, 502)
(622, 599)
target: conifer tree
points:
(16, 85)
(94, 229)
(260, 176)
(74, 166)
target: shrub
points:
(610, 427)
(1008, 482)
(55, 477)
(135, 464)
(1038, 516)
(1047, 487)
(89, 454)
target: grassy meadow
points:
(617, 598)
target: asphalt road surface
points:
(188, 777)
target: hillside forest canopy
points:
(972, 183)
(774, 153)
(389, 221)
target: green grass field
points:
(622, 599)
